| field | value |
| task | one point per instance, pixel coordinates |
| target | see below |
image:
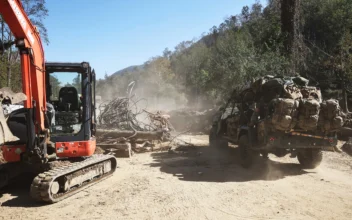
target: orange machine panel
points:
(12, 153)
(75, 149)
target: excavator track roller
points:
(64, 181)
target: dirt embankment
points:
(201, 183)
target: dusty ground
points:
(201, 183)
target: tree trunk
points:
(345, 98)
(9, 73)
(151, 135)
(287, 23)
(8, 66)
(290, 27)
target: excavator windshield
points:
(64, 102)
(65, 79)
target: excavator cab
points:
(70, 117)
(70, 120)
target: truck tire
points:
(246, 154)
(215, 141)
(310, 159)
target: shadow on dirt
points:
(19, 190)
(214, 165)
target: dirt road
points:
(201, 183)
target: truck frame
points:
(234, 124)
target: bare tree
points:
(9, 59)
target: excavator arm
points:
(27, 40)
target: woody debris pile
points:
(123, 125)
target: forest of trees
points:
(312, 38)
(9, 59)
(315, 42)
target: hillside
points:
(127, 69)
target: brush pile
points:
(125, 126)
(125, 114)
(120, 113)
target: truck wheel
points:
(215, 141)
(246, 155)
(310, 159)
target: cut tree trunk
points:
(146, 135)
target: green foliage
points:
(10, 69)
(36, 11)
(325, 24)
(246, 46)
(76, 82)
(55, 87)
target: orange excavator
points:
(52, 132)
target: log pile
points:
(126, 114)
(128, 142)
(125, 126)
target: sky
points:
(114, 34)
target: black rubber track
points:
(40, 188)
